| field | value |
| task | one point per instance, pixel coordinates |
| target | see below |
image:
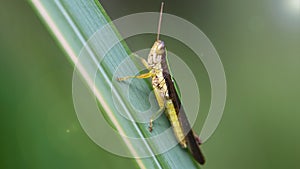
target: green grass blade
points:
(72, 23)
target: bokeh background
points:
(258, 42)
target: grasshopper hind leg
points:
(197, 138)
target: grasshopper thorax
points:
(156, 53)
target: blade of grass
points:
(72, 23)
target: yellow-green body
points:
(160, 89)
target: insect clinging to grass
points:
(167, 96)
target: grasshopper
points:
(166, 94)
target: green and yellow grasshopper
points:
(167, 96)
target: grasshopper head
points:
(160, 47)
(157, 50)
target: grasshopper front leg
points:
(161, 104)
(160, 101)
(145, 63)
(142, 76)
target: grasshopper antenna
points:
(160, 18)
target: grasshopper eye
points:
(161, 45)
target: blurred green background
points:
(258, 42)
